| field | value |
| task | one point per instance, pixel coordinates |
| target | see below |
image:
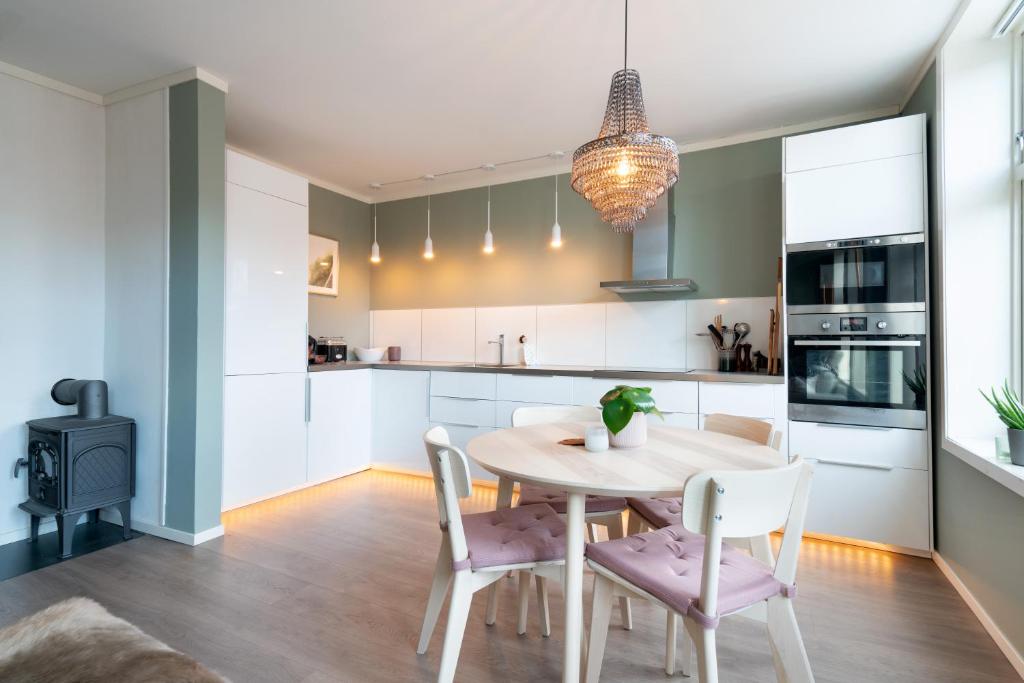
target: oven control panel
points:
(842, 324)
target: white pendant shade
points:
(375, 253)
(428, 244)
(488, 236)
(556, 229)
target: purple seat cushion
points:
(657, 512)
(668, 563)
(530, 494)
(528, 533)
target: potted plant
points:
(624, 410)
(1011, 411)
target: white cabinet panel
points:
(670, 396)
(400, 404)
(882, 506)
(340, 417)
(448, 334)
(240, 169)
(747, 400)
(398, 328)
(701, 353)
(468, 412)
(883, 197)
(265, 299)
(555, 389)
(463, 384)
(571, 335)
(646, 334)
(687, 420)
(893, 137)
(860, 445)
(460, 437)
(503, 411)
(511, 321)
(264, 436)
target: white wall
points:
(52, 255)
(136, 285)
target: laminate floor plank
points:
(329, 585)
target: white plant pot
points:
(633, 435)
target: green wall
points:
(195, 306)
(728, 219)
(978, 521)
(348, 221)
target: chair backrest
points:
(450, 468)
(747, 504)
(536, 415)
(744, 427)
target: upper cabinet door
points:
(257, 175)
(266, 302)
(858, 181)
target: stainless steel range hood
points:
(652, 258)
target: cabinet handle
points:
(847, 463)
(828, 425)
(309, 399)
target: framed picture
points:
(323, 265)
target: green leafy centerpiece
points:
(624, 411)
(1010, 410)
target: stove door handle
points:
(22, 462)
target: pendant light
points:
(428, 244)
(626, 168)
(375, 249)
(556, 229)
(488, 236)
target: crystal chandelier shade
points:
(627, 168)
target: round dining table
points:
(660, 468)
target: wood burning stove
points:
(79, 463)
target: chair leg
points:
(788, 653)
(615, 531)
(600, 617)
(492, 604)
(438, 589)
(524, 601)
(707, 656)
(685, 650)
(542, 604)
(458, 612)
(671, 622)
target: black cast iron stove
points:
(80, 463)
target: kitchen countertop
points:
(567, 370)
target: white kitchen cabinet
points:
(895, 137)
(400, 417)
(266, 245)
(480, 385)
(469, 412)
(670, 396)
(887, 506)
(735, 398)
(687, 420)
(873, 446)
(264, 436)
(552, 389)
(460, 436)
(340, 417)
(243, 170)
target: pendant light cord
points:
(374, 223)
(488, 208)
(556, 197)
(428, 216)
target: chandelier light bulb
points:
(624, 168)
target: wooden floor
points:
(329, 584)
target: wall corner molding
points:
(51, 83)
(1011, 653)
(146, 87)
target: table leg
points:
(574, 524)
(504, 493)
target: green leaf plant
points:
(619, 404)
(1008, 407)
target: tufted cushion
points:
(658, 512)
(667, 563)
(532, 495)
(530, 533)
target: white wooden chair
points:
(478, 549)
(603, 511)
(688, 570)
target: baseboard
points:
(1009, 651)
(164, 532)
(394, 469)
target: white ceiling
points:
(354, 92)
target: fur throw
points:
(77, 641)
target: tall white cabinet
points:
(266, 244)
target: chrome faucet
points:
(501, 348)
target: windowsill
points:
(980, 453)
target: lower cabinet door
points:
(264, 436)
(400, 417)
(878, 505)
(460, 436)
(339, 423)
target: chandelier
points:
(627, 168)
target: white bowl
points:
(370, 355)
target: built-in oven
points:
(858, 369)
(868, 274)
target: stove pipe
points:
(89, 394)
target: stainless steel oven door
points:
(873, 274)
(859, 380)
